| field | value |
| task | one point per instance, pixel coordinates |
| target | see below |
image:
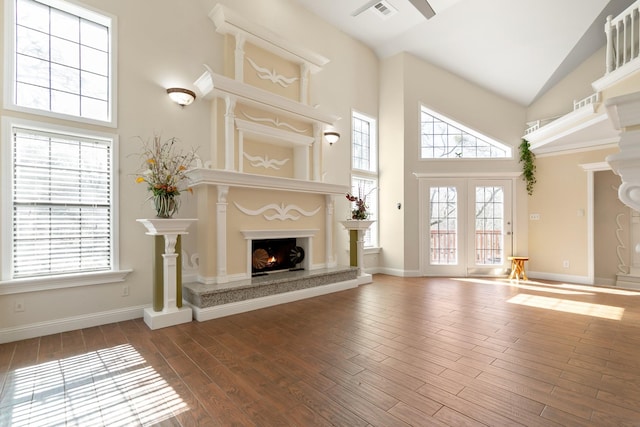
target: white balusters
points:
(623, 41)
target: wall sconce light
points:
(332, 137)
(181, 96)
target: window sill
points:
(19, 286)
(372, 250)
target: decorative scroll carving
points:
(622, 268)
(266, 162)
(281, 211)
(200, 164)
(190, 263)
(272, 76)
(276, 122)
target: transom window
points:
(443, 138)
(61, 60)
(364, 150)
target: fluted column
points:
(221, 234)
(229, 133)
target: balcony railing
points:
(623, 37)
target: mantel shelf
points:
(211, 84)
(273, 135)
(203, 176)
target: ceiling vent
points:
(381, 8)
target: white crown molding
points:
(273, 135)
(211, 84)
(228, 21)
(199, 177)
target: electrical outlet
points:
(18, 305)
(125, 291)
(534, 217)
(565, 263)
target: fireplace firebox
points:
(271, 255)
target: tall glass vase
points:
(166, 205)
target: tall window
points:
(61, 61)
(443, 138)
(61, 204)
(364, 163)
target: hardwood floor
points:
(397, 352)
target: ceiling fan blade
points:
(424, 8)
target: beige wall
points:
(153, 54)
(391, 164)
(469, 105)
(560, 197)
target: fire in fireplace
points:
(269, 255)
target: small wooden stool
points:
(517, 267)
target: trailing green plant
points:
(527, 158)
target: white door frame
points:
(425, 180)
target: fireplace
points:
(270, 251)
(269, 255)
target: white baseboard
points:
(396, 272)
(40, 329)
(582, 280)
(208, 313)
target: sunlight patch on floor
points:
(528, 285)
(112, 386)
(558, 288)
(569, 306)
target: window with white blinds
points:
(62, 208)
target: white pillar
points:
(229, 133)
(221, 234)
(171, 314)
(359, 227)
(239, 57)
(328, 226)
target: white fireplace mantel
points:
(203, 176)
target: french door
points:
(466, 226)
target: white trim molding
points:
(40, 329)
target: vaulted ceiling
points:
(515, 48)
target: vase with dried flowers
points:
(163, 169)
(360, 209)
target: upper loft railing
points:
(623, 40)
(591, 99)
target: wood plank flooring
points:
(397, 352)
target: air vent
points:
(385, 9)
(381, 8)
